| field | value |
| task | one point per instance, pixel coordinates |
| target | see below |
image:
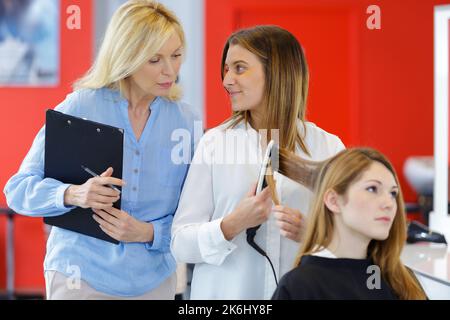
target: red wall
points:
(22, 114)
(370, 87)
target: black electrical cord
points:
(251, 233)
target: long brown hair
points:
(286, 81)
(338, 173)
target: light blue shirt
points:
(151, 194)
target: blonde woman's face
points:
(243, 79)
(158, 75)
(370, 205)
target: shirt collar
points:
(116, 97)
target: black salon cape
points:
(318, 278)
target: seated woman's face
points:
(158, 75)
(243, 79)
(370, 205)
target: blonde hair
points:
(286, 81)
(137, 30)
(337, 174)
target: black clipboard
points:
(71, 142)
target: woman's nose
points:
(168, 69)
(388, 202)
(228, 79)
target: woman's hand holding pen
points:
(290, 221)
(119, 225)
(252, 211)
(94, 193)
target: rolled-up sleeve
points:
(161, 234)
(214, 248)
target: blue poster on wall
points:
(29, 43)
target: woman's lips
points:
(384, 219)
(165, 85)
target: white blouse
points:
(225, 165)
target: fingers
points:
(98, 196)
(107, 228)
(100, 205)
(106, 217)
(110, 232)
(110, 180)
(96, 201)
(288, 227)
(290, 222)
(107, 173)
(293, 219)
(290, 235)
(252, 190)
(119, 214)
(114, 222)
(116, 213)
(265, 202)
(290, 231)
(287, 214)
(287, 210)
(264, 194)
(104, 199)
(107, 191)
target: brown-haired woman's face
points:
(243, 79)
(370, 203)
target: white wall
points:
(190, 13)
(439, 218)
(103, 11)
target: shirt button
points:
(135, 170)
(134, 188)
(137, 152)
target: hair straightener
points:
(262, 183)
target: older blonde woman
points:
(132, 85)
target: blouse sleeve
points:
(28, 192)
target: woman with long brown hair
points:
(355, 233)
(265, 74)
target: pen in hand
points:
(92, 173)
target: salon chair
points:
(419, 172)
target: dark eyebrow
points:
(379, 182)
(238, 61)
